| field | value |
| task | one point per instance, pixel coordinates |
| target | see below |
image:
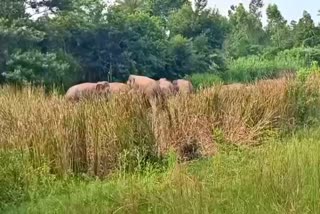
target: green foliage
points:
(206, 31)
(170, 38)
(19, 181)
(41, 69)
(247, 35)
(279, 176)
(12, 9)
(271, 64)
(304, 73)
(130, 6)
(254, 68)
(278, 30)
(180, 53)
(163, 8)
(303, 56)
(304, 93)
(13, 181)
(204, 80)
(306, 34)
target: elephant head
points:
(103, 87)
(166, 87)
(183, 86)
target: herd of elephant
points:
(143, 85)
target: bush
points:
(304, 56)
(306, 95)
(304, 73)
(254, 68)
(19, 180)
(13, 183)
(37, 68)
(204, 80)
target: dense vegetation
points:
(64, 42)
(118, 156)
(254, 145)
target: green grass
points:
(254, 68)
(282, 176)
(205, 80)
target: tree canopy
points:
(89, 40)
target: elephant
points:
(182, 86)
(166, 87)
(118, 88)
(85, 90)
(146, 86)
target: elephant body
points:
(145, 86)
(118, 88)
(166, 87)
(85, 90)
(183, 86)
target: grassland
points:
(278, 177)
(225, 149)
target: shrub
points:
(42, 69)
(304, 73)
(204, 80)
(254, 68)
(19, 178)
(305, 56)
(306, 95)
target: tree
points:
(53, 6)
(277, 29)
(16, 31)
(305, 31)
(200, 5)
(207, 28)
(12, 9)
(130, 6)
(144, 40)
(41, 69)
(180, 56)
(255, 7)
(163, 8)
(247, 36)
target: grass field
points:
(251, 149)
(278, 177)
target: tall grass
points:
(271, 64)
(254, 68)
(44, 138)
(96, 136)
(279, 177)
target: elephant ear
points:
(175, 85)
(101, 86)
(131, 81)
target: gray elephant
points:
(145, 86)
(88, 89)
(182, 86)
(166, 87)
(118, 88)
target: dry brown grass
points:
(94, 136)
